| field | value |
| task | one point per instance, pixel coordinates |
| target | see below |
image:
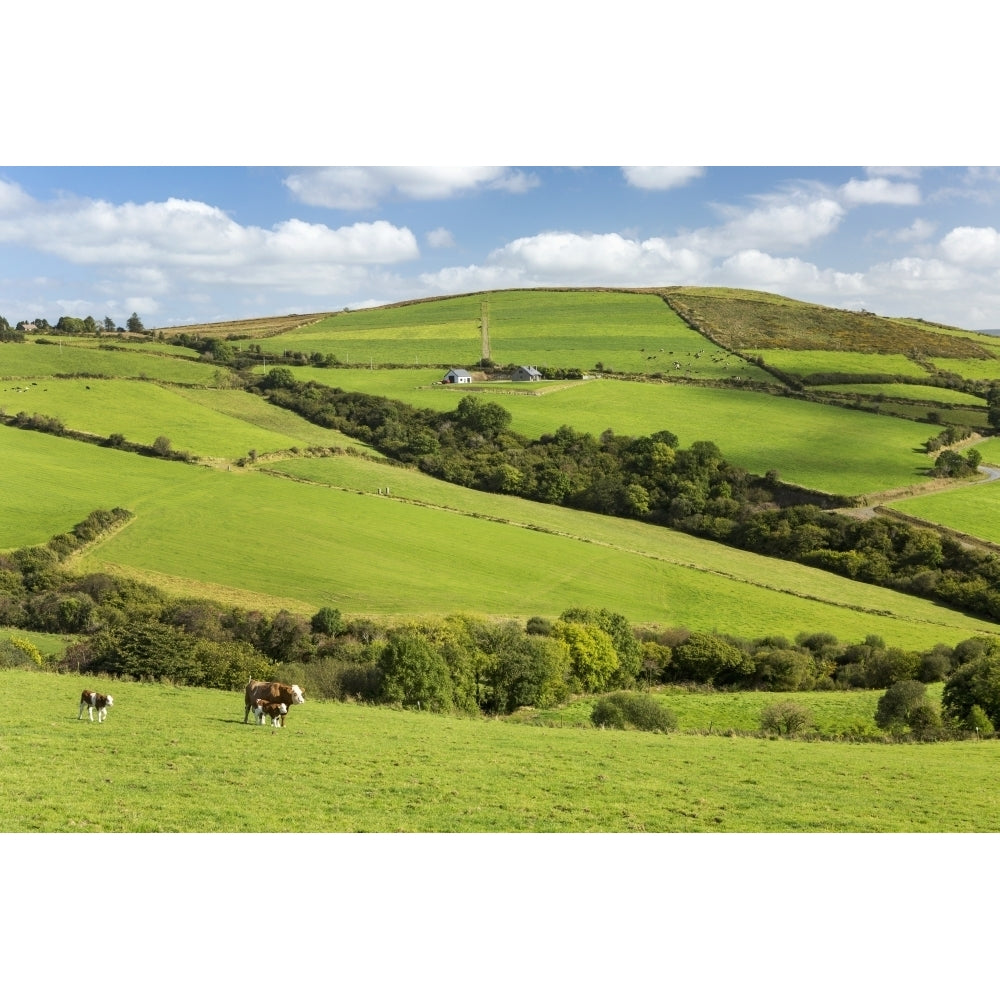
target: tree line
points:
(652, 479)
(75, 325)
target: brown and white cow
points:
(273, 709)
(90, 700)
(287, 694)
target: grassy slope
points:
(29, 359)
(180, 760)
(821, 447)
(573, 329)
(310, 541)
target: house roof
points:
(458, 371)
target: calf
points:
(287, 694)
(274, 709)
(90, 700)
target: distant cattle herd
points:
(266, 699)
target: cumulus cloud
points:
(978, 246)
(366, 187)
(660, 178)
(145, 253)
(788, 219)
(919, 231)
(555, 258)
(879, 191)
(440, 237)
(186, 238)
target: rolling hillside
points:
(272, 511)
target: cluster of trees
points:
(74, 325)
(652, 479)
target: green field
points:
(821, 447)
(849, 362)
(222, 424)
(622, 332)
(974, 511)
(257, 540)
(901, 390)
(180, 760)
(30, 359)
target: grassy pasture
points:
(46, 643)
(807, 362)
(180, 760)
(900, 390)
(974, 511)
(818, 446)
(197, 421)
(122, 342)
(574, 329)
(833, 713)
(30, 360)
(985, 370)
(252, 539)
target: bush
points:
(785, 718)
(342, 680)
(977, 721)
(904, 704)
(632, 710)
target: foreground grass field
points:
(180, 760)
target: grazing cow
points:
(287, 694)
(274, 709)
(90, 700)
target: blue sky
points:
(194, 244)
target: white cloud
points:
(440, 237)
(557, 258)
(786, 275)
(920, 230)
(790, 219)
(147, 253)
(975, 246)
(879, 191)
(159, 242)
(917, 274)
(366, 187)
(141, 304)
(660, 178)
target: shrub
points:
(327, 621)
(19, 653)
(632, 710)
(977, 721)
(785, 718)
(903, 704)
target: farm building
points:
(457, 376)
(525, 373)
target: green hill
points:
(706, 364)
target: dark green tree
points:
(327, 621)
(975, 682)
(134, 324)
(903, 704)
(414, 674)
